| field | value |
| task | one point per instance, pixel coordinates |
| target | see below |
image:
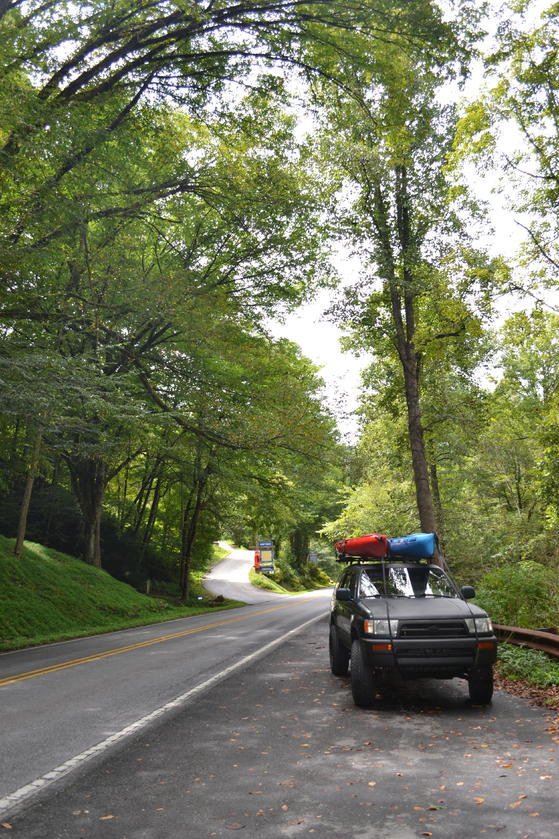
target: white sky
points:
(320, 341)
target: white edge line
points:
(23, 794)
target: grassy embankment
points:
(49, 596)
(264, 582)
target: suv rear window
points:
(405, 581)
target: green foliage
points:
(138, 344)
(381, 499)
(285, 579)
(268, 582)
(532, 666)
(314, 577)
(525, 594)
(48, 596)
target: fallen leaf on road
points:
(479, 800)
(235, 826)
(285, 806)
(106, 818)
(7, 825)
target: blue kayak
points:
(416, 545)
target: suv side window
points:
(353, 578)
(344, 579)
(367, 588)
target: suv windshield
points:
(405, 581)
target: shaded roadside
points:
(281, 751)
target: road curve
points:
(230, 578)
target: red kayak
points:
(374, 545)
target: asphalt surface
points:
(280, 751)
(59, 701)
(229, 578)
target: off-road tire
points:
(339, 656)
(362, 678)
(480, 686)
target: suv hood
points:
(421, 608)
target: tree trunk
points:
(402, 293)
(299, 541)
(190, 526)
(52, 503)
(190, 519)
(89, 479)
(424, 498)
(152, 513)
(27, 492)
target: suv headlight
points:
(482, 626)
(381, 627)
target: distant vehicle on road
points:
(407, 617)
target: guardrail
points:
(537, 639)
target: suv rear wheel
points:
(339, 656)
(480, 686)
(362, 677)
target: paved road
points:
(280, 751)
(60, 701)
(230, 578)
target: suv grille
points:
(432, 629)
(434, 652)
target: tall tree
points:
(408, 233)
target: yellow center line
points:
(65, 665)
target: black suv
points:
(408, 618)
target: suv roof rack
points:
(370, 560)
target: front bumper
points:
(437, 657)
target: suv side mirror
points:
(468, 592)
(344, 594)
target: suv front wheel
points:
(339, 656)
(362, 677)
(480, 686)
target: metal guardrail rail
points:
(537, 639)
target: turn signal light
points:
(382, 648)
(485, 645)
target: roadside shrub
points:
(524, 594)
(285, 575)
(265, 581)
(313, 577)
(532, 666)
